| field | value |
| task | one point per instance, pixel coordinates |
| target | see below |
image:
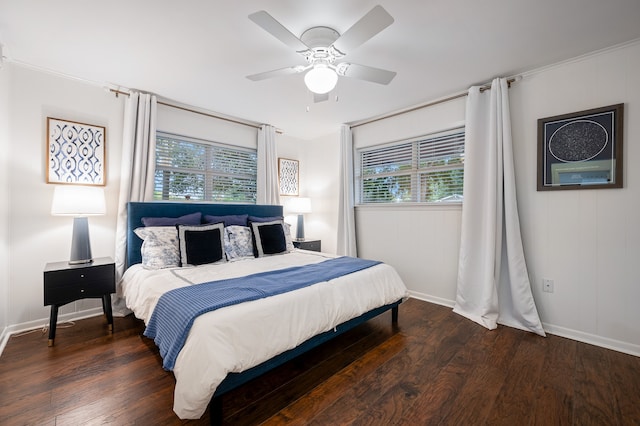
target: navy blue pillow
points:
(188, 219)
(201, 244)
(264, 219)
(228, 220)
(268, 238)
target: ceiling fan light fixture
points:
(321, 79)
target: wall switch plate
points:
(547, 285)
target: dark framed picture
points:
(289, 175)
(581, 150)
(76, 152)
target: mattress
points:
(239, 337)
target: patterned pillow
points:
(237, 242)
(160, 246)
(287, 236)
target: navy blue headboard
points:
(137, 210)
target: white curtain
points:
(346, 215)
(493, 283)
(136, 172)
(268, 191)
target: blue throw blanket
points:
(177, 309)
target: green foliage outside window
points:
(186, 169)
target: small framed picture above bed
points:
(76, 152)
(288, 176)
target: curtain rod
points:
(430, 104)
(119, 92)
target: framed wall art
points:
(581, 150)
(288, 176)
(76, 152)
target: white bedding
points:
(236, 338)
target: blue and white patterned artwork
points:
(288, 171)
(75, 152)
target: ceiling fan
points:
(322, 47)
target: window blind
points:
(427, 169)
(204, 170)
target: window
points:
(428, 169)
(203, 171)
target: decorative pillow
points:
(188, 219)
(201, 244)
(269, 238)
(237, 242)
(287, 236)
(264, 219)
(159, 247)
(228, 220)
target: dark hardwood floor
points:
(434, 368)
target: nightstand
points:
(64, 283)
(313, 245)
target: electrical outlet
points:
(547, 285)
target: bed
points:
(226, 347)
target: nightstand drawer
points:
(313, 245)
(64, 286)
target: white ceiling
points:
(199, 52)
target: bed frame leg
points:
(215, 411)
(394, 315)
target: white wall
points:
(421, 242)
(185, 123)
(587, 241)
(319, 174)
(5, 153)
(36, 237)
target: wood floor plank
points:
(393, 405)
(554, 393)
(516, 396)
(483, 362)
(594, 401)
(624, 367)
(401, 372)
(469, 372)
(433, 367)
(322, 396)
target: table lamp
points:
(79, 202)
(300, 206)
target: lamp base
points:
(300, 228)
(80, 242)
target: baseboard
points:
(44, 322)
(593, 339)
(432, 299)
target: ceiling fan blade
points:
(363, 72)
(369, 25)
(320, 98)
(276, 73)
(276, 29)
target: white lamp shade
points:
(321, 79)
(70, 200)
(299, 205)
